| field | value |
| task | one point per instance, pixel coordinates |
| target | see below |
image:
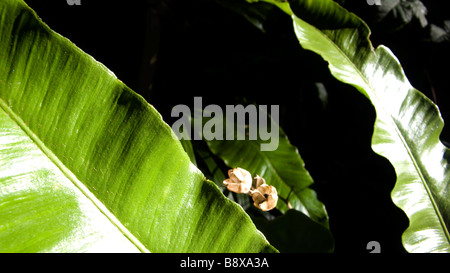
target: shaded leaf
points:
(438, 34)
(282, 168)
(295, 232)
(256, 14)
(402, 11)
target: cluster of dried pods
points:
(265, 197)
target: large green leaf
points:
(407, 126)
(88, 165)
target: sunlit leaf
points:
(407, 126)
(86, 164)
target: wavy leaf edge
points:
(434, 236)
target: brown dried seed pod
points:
(240, 180)
(265, 197)
(259, 181)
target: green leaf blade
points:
(408, 124)
(41, 210)
(108, 173)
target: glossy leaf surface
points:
(407, 126)
(88, 165)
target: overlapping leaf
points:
(283, 168)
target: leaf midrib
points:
(72, 177)
(396, 128)
(427, 188)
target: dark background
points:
(172, 50)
